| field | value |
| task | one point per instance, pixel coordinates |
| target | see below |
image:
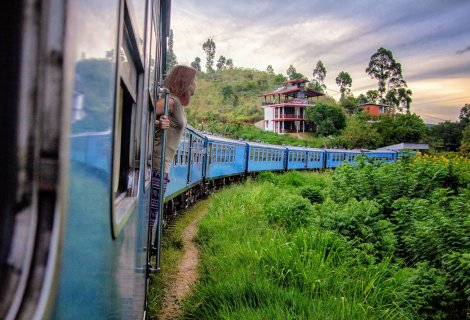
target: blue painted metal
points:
(225, 157)
(381, 155)
(336, 157)
(266, 157)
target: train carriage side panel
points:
(263, 157)
(225, 157)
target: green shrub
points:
(290, 212)
(312, 193)
(360, 222)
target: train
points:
(205, 161)
(79, 88)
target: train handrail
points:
(156, 243)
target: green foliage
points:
(209, 49)
(290, 212)
(344, 81)
(312, 193)
(401, 128)
(329, 119)
(425, 289)
(359, 134)
(361, 223)
(465, 142)
(250, 270)
(383, 67)
(390, 241)
(446, 135)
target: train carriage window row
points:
(263, 155)
(221, 153)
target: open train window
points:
(127, 124)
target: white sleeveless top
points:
(173, 136)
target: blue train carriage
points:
(336, 157)
(262, 157)
(186, 171)
(381, 155)
(225, 157)
(74, 242)
(299, 158)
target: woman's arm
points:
(163, 121)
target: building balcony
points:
(291, 116)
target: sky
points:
(430, 38)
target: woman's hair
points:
(179, 80)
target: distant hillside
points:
(230, 97)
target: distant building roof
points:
(406, 145)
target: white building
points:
(284, 108)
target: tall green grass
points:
(254, 265)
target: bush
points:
(312, 193)
(290, 212)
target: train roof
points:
(212, 137)
(265, 145)
(301, 148)
(342, 151)
(379, 151)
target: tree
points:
(404, 98)
(319, 74)
(361, 99)
(270, 69)
(401, 128)
(359, 134)
(384, 68)
(209, 49)
(279, 78)
(329, 119)
(291, 71)
(221, 63)
(293, 74)
(344, 81)
(464, 115)
(229, 63)
(171, 56)
(465, 142)
(372, 96)
(447, 135)
(196, 64)
(349, 104)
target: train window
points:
(213, 153)
(127, 124)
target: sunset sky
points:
(431, 40)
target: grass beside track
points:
(171, 255)
(253, 269)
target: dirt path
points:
(187, 273)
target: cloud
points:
(467, 49)
(424, 38)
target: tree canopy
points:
(329, 119)
(209, 49)
(388, 72)
(319, 74)
(344, 81)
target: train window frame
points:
(126, 130)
